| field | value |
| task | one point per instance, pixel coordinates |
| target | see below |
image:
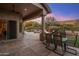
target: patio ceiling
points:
(26, 10)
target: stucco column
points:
(42, 36)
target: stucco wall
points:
(7, 15)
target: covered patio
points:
(18, 42)
(15, 14)
(18, 13)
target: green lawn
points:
(71, 39)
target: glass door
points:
(11, 29)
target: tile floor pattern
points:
(29, 45)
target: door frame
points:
(7, 29)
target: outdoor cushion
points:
(64, 39)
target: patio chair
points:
(48, 42)
(48, 39)
(59, 43)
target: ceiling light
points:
(25, 9)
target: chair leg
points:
(64, 48)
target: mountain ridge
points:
(69, 21)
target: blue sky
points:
(65, 11)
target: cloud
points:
(60, 17)
(63, 18)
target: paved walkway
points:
(29, 45)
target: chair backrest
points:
(57, 37)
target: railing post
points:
(76, 37)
